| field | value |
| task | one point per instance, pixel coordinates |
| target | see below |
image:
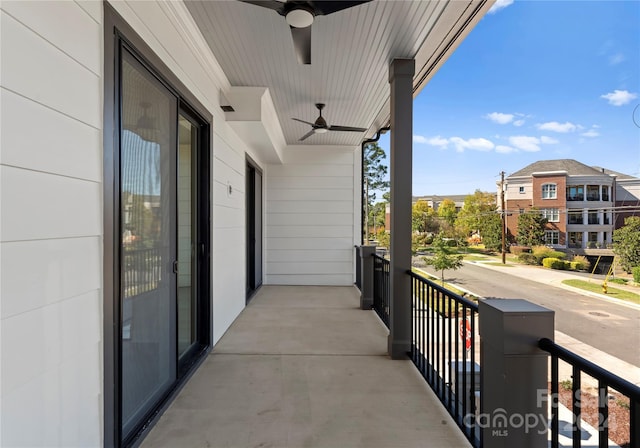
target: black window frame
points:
(118, 35)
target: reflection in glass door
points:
(187, 232)
(148, 226)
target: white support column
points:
(401, 74)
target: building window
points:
(593, 240)
(604, 237)
(593, 192)
(593, 217)
(575, 217)
(552, 214)
(605, 193)
(551, 237)
(575, 193)
(521, 211)
(549, 191)
(575, 239)
(520, 190)
(605, 218)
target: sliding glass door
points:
(163, 242)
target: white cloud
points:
(498, 5)
(504, 149)
(619, 97)
(478, 144)
(591, 133)
(433, 141)
(518, 123)
(616, 58)
(419, 139)
(499, 118)
(557, 127)
(548, 140)
(525, 143)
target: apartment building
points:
(582, 203)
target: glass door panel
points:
(148, 226)
(187, 250)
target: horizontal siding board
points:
(319, 183)
(300, 207)
(49, 206)
(308, 170)
(225, 217)
(48, 75)
(310, 195)
(36, 15)
(226, 154)
(309, 231)
(302, 219)
(49, 149)
(319, 280)
(309, 268)
(309, 243)
(64, 268)
(222, 198)
(293, 255)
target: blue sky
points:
(534, 80)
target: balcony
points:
(303, 366)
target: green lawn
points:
(611, 292)
(476, 258)
(499, 263)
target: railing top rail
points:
(620, 384)
(380, 257)
(466, 302)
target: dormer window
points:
(521, 190)
(549, 191)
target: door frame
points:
(117, 33)
(250, 223)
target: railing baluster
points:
(603, 415)
(575, 406)
(555, 398)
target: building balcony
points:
(303, 366)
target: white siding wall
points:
(310, 217)
(51, 224)
(51, 207)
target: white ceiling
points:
(350, 55)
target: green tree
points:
(377, 214)
(473, 216)
(447, 212)
(444, 259)
(626, 243)
(375, 171)
(531, 226)
(492, 232)
(423, 218)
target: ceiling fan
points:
(320, 126)
(299, 14)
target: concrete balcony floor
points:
(304, 367)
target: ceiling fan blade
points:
(328, 7)
(302, 121)
(346, 129)
(269, 4)
(307, 135)
(302, 44)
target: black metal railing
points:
(444, 349)
(358, 268)
(141, 270)
(381, 285)
(607, 382)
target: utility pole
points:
(503, 214)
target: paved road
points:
(607, 326)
